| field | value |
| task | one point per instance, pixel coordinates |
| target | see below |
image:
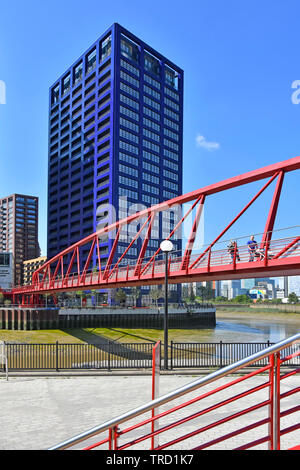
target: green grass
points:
(144, 335)
(89, 335)
(38, 336)
(123, 335)
(255, 311)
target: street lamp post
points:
(166, 247)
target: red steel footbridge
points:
(272, 257)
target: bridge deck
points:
(283, 258)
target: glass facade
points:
(115, 131)
(19, 230)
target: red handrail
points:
(167, 420)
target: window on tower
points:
(91, 61)
(66, 84)
(55, 94)
(129, 49)
(78, 73)
(171, 77)
(152, 64)
(105, 48)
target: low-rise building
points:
(6, 270)
(30, 266)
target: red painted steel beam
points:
(172, 233)
(56, 271)
(234, 220)
(70, 265)
(144, 246)
(87, 263)
(285, 249)
(111, 255)
(272, 213)
(130, 245)
(99, 259)
(192, 237)
(246, 178)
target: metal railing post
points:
(115, 436)
(276, 403)
(108, 360)
(56, 349)
(193, 386)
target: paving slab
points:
(39, 412)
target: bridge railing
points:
(248, 411)
(155, 266)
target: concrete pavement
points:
(39, 412)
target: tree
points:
(136, 293)
(156, 294)
(119, 296)
(205, 292)
(293, 299)
(192, 296)
(242, 299)
(221, 298)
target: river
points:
(243, 327)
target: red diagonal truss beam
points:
(145, 244)
(172, 233)
(140, 271)
(129, 246)
(192, 237)
(272, 213)
(234, 220)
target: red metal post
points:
(62, 269)
(192, 237)
(129, 246)
(99, 259)
(172, 233)
(284, 250)
(70, 267)
(234, 220)
(272, 214)
(88, 261)
(277, 404)
(111, 255)
(52, 279)
(144, 246)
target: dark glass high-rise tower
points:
(19, 231)
(115, 140)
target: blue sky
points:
(240, 60)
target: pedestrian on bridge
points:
(252, 247)
(234, 252)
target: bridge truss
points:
(276, 257)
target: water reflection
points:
(242, 330)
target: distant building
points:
(30, 266)
(209, 290)
(263, 290)
(230, 289)
(269, 286)
(248, 283)
(6, 270)
(294, 285)
(258, 293)
(218, 288)
(19, 231)
(280, 294)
